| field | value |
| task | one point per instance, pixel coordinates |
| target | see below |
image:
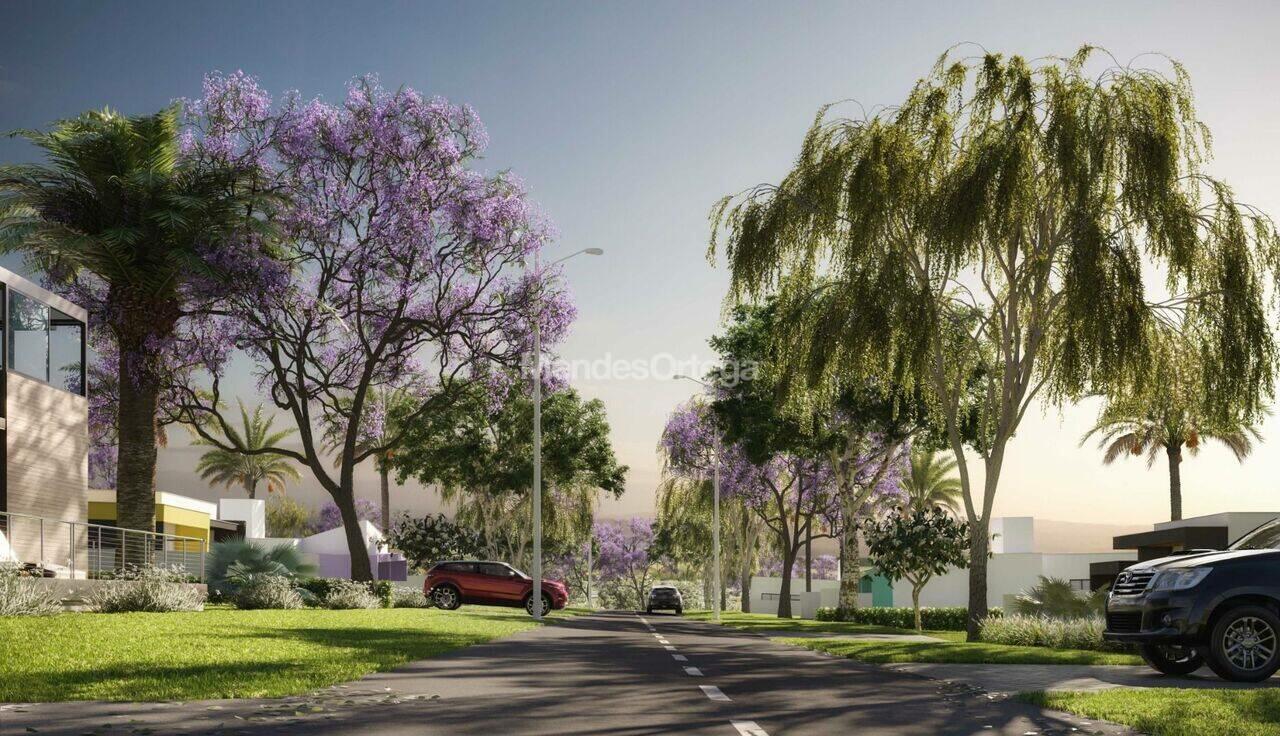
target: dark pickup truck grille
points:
(1124, 623)
(1132, 583)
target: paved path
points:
(1012, 678)
(612, 673)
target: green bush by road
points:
(1176, 712)
(957, 652)
(772, 625)
(226, 653)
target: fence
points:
(76, 550)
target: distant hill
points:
(1076, 536)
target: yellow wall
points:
(174, 520)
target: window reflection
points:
(65, 337)
(45, 343)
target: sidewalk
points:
(1012, 678)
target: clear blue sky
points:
(629, 120)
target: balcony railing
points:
(76, 550)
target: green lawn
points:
(226, 653)
(957, 652)
(1176, 712)
(768, 624)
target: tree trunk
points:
(850, 568)
(357, 545)
(136, 458)
(808, 558)
(746, 589)
(915, 604)
(784, 593)
(979, 541)
(384, 473)
(1174, 451)
(251, 488)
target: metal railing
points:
(76, 550)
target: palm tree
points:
(248, 469)
(118, 207)
(930, 484)
(1128, 429)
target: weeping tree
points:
(1171, 415)
(985, 240)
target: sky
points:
(629, 120)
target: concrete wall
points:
(47, 440)
(251, 511)
(1007, 576)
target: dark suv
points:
(1204, 607)
(450, 584)
(665, 598)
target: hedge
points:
(319, 588)
(951, 618)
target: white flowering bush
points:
(405, 597)
(266, 590)
(23, 595)
(146, 589)
(1044, 631)
(348, 594)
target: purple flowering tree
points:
(330, 516)
(405, 268)
(792, 495)
(624, 556)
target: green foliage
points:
(929, 483)
(406, 597)
(432, 539)
(228, 653)
(1173, 711)
(916, 546)
(264, 590)
(348, 594)
(320, 590)
(244, 464)
(281, 559)
(1084, 632)
(288, 518)
(885, 652)
(23, 595)
(146, 589)
(933, 619)
(1054, 598)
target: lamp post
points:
(715, 512)
(536, 593)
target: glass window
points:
(66, 335)
(45, 343)
(29, 336)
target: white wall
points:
(251, 511)
(1007, 576)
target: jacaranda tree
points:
(986, 240)
(405, 268)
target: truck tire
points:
(1171, 660)
(1244, 645)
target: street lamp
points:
(715, 509)
(537, 436)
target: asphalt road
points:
(609, 673)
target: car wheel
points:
(1245, 644)
(1171, 659)
(546, 604)
(447, 598)
(679, 611)
(649, 611)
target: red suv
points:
(450, 584)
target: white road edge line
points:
(748, 728)
(713, 692)
(693, 671)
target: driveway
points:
(609, 673)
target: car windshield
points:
(520, 574)
(1266, 536)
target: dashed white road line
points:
(693, 671)
(748, 728)
(680, 658)
(713, 692)
(668, 647)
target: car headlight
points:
(1180, 579)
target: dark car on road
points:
(665, 598)
(450, 584)
(1220, 608)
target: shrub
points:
(951, 618)
(348, 594)
(147, 589)
(23, 595)
(383, 590)
(1054, 597)
(1044, 631)
(248, 558)
(266, 590)
(404, 597)
(316, 589)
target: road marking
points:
(680, 658)
(658, 635)
(663, 641)
(693, 671)
(748, 728)
(668, 647)
(713, 692)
